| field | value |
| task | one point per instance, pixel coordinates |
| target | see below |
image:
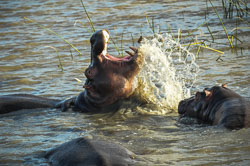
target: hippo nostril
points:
(88, 73)
(181, 110)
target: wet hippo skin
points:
(87, 152)
(109, 80)
(217, 106)
(10, 103)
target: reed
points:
(239, 6)
(210, 32)
(230, 41)
(151, 24)
(192, 31)
(115, 46)
(60, 66)
(53, 32)
(83, 26)
(90, 22)
(93, 29)
(132, 39)
(170, 30)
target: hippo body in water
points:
(217, 106)
(10, 103)
(87, 152)
(109, 79)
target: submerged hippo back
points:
(87, 152)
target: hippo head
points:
(204, 104)
(109, 78)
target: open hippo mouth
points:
(110, 78)
(104, 45)
(116, 59)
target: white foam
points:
(168, 73)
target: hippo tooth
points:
(130, 53)
(133, 48)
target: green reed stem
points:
(93, 28)
(58, 56)
(190, 43)
(236, 34)
(117, 49)
(169, 28)
(90, 22)
(151, 25)
(180, 35)
(71, 54)
(159, 29)
(83, 26)
(132, 38)
(43, 27)
(222, 24)
(236, 38)
(194, 30)
(197, 53)
(211, 34)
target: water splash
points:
(168, 73)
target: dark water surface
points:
(28, 64)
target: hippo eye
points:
(89, 72)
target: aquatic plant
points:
(53, 32)
(90, 22)
(59, 58)
(240, 6)
(229, 39)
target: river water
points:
(29, 64)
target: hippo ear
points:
(208, 93)
(224, 85)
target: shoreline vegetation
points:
(236, 10)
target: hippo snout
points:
(186, 106)
(181, 107)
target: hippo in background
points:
(217, 106)
(109, 80)
(88, 152)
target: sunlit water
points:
(169, 74)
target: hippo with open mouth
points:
(109, 79)
(217, 106)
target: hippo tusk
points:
(134, 49)
(130, 53)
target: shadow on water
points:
(27, 65)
